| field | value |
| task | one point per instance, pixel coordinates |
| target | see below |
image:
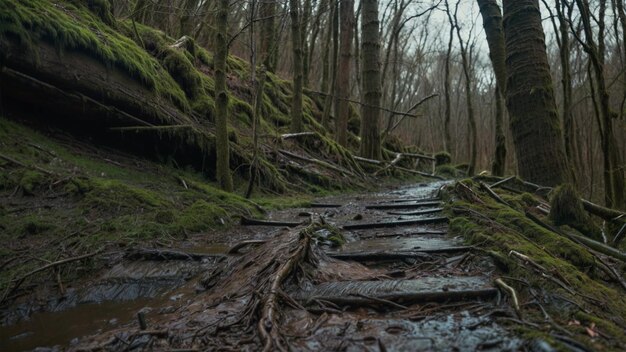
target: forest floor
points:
(108, 251)
(386, 277)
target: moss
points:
(443, 158)
(71, 26)
(566, 208)
(34, 225)
(201, 216)
(31, 180)
(446, 170)
(499, 229)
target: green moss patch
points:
(567, 269)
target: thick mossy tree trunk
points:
(530, 99)
(222, 168)
(492, 22)
(296, 104)
(346, 14)
(370, 51)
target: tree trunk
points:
(471, 120)
(296, 104)
(492, 21)
(370, 48)
(267, 10)
(530, 97)
(343, 74)
(613, 174)
(566, 71)
(448, 99)
(304, 31)
(222, 167)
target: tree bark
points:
(530, 97)
(267, 10)
(492, 22)
(222, 167)
(346, 13)
(370, 48)
(296, 104)
(448, 99)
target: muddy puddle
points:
(59, 328)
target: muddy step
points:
(418, 212)
(397, 223)
(403, 205)
(428, 289)
(395, 255)
(403, 244)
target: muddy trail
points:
(375, 272)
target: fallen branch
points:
(493, 194)
(296, 135)
(503, 181)
(511, 291)
(368, 161)
(324, 205)
(390, 165)
(268, 327)
(167, 254)
(318, 162)
(235, 249)
(21, 279)
(595, 245)
(11, 160)
(255, 222)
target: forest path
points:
(399, 282)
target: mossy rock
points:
(566, 208)
(201, 216)
(443, 158)
(31, 181)
(446, 170)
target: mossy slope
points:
(579, 298)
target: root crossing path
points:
(370, 272)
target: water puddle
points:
(59, 328)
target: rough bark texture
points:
(370, 134)
(343, 74)
(530, 97)
(222, 167)
(267, 10)
(492, 21)
(296, 104)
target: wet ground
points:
(414, 287)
